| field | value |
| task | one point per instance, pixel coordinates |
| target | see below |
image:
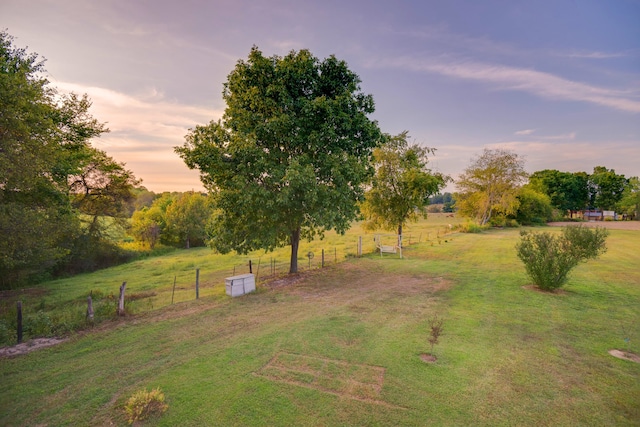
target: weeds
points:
(143, 404)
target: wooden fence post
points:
(174, 289)
(19, 322)
(89, 309)
(197, 283)
(121, 300)
(323, 258)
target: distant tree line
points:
(495, 189)
(446, 200)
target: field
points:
(342, 345)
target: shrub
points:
(549, 258)
(435, 330)
(144, 403)
(470, 227)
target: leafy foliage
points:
(402, 185)
(489, 186)
(175, 219)
(629, 204)
(567, 191)
(534, 208)
(290, 156)
(435, 330)
(549, 258)
(606, 188)
(186, 219)
(44, 150)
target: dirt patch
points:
(290, 279)
(542, 291)
(29, 346)
(428, 358)
(625, 355)
(613, 225)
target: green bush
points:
(144, 403)
(549, 258)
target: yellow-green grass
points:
(509, 355)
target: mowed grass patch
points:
(550, 349)
(508, 355)
(206, 362)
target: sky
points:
(557, 82)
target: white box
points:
(240, 285)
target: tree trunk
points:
(399, 235)
(295, 242)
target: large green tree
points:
(289, 158)
(489, 186)
(567, 191)
(402, 185)
(101, 188)
(186, 220)
(44, 144)
(606, 188)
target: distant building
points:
(599, 215)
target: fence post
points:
(197, 283)
(19, 322)
(323, 258)
(121, 300)
(359, 246)
(250, 268)
(174, 289)
(89, 309)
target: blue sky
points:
(558, 82)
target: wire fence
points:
(197, 283)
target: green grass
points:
(314, 352)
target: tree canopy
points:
(567, 191)
(290, 155)
(606, 188)
(489, 186)
(402, 185)
(629, 203)
(49, 174)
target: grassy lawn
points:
(341, 345)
